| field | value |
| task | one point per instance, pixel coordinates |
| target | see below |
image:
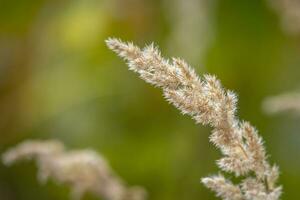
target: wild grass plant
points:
(82, 170)
(208, 103)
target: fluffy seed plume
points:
(223, 188)
(208, 103)
(83, 170)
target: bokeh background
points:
(58, 80)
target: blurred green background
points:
(58, 80)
